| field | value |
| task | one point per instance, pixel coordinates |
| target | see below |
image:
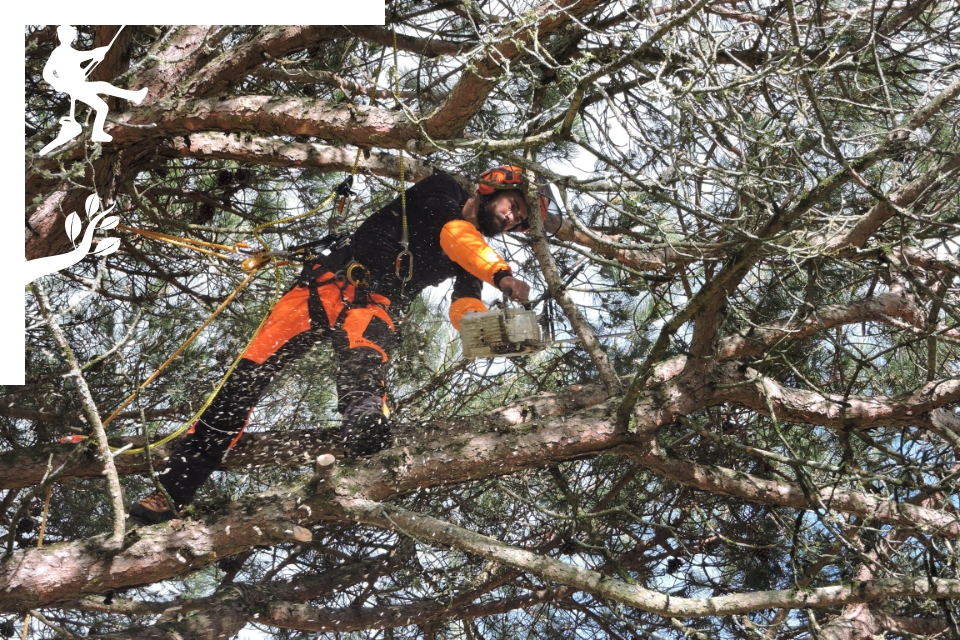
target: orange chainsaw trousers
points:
(362, 332)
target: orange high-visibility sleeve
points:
(464, 245)
(463, 306)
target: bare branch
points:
(428, 528)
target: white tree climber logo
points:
(97, 219)
(66, 73)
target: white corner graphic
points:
(66, 73)
(43, 266)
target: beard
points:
(487, 222)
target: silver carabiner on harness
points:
(406, 253)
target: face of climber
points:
(501, 213)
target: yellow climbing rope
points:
(405, 253)
(187, 243)
(216, 390)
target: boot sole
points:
(146, 517)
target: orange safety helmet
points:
(500, 179)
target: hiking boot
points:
(365, 429)
(153, 509)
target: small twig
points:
(93, 416)
(149, 456)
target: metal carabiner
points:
(352, 279)
(400, 257)
(252, 259)
(255, 261)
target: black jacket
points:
(431, 204)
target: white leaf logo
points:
(110, 222)
(73, 226)
(107, 246)
(93, 205)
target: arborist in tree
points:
(353, 297)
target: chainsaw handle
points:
(507, 293)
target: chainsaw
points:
(511, 331)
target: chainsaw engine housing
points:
(500, 332)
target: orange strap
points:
(464, 245)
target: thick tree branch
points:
(350, 87)
(437, 531)
(284, 153)
(273, 41)
(223, 617)
(715, 479)
(900, 306)
(427, 47)
(759, 392)
(288, 615)
(873, 219)
(355, 124)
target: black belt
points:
(339, 255)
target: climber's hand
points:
(519, 290)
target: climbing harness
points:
(251, 262)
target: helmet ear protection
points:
(549, 204)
